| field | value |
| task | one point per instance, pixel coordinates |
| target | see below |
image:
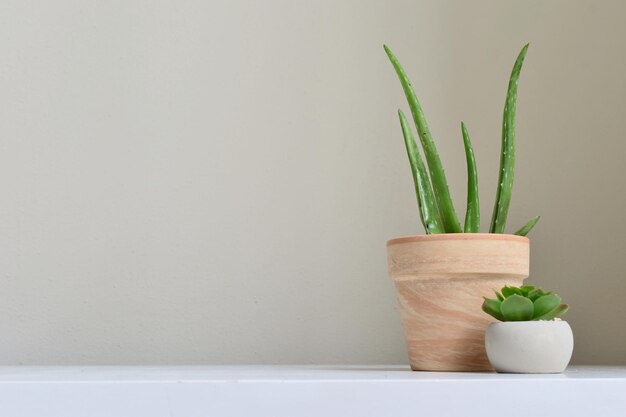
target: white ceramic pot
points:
(529, 347)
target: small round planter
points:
(530, 347)
(440, 283)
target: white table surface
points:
(390, 391)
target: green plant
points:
(431, 186)
(523, 304)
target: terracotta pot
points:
(440, 281)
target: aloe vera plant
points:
(431, 186)
(525, 303)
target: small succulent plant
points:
(431, 186)
(525, 303)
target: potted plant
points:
(531, 337)
(441, 276)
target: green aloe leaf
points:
(545, 304)
(423, 189)
(439, 182)
(499, 296)
(507, 155)
(557, 312)
(472, 213)
(528, 226)
(492, 307)
(509, 291)
(517, 308)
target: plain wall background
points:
(214, 182)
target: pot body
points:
(530, 347)
(440, 281)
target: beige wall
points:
(214, 182)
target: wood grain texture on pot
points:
(440, 281)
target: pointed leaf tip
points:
(524, 230)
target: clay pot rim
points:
(457, 236)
